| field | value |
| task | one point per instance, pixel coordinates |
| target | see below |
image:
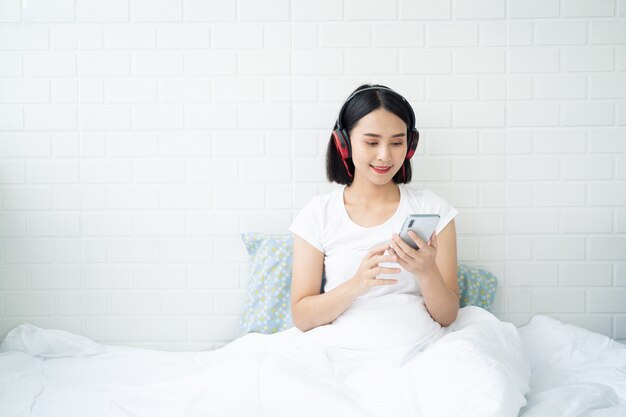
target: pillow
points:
(49, 343)
(267, 304)
(476, 286)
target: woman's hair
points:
(359, 106)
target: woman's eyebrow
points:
(374, 135)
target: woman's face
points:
(378, 140)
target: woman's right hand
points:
(365, 277)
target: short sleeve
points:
(437, 204)
(308, 224)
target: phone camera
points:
(411, 223)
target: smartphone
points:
(422, 224)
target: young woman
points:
(351, 233)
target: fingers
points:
(433, 240)
(377, 249)
(382, 258)
(381, 281)
(372, 269)
(401, 249)
(404, 264)
(405, 260)
(373, 263)
(416, 239)
(384, 270)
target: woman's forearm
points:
(317, 310)
(441, 302)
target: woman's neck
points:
(360, 194)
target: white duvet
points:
(479, 366)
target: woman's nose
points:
(383, 152)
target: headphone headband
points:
(377, 87)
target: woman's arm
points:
(310, 308)
(441, 288)
(434, 264)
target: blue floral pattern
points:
(267, 306)
(476, 286)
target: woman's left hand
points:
(418, 262)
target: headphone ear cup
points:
(346, 138)
(412, 145)
(340, 137)
(342, 143)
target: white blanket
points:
(475, 367)
(478, 368)
(575, 373)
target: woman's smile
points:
(381, 170)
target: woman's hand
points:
(365, 277)
(419, 262)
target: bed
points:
(479, 366)
(46, 372)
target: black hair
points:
(358, 107)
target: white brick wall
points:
(139, 138)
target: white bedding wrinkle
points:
(21, 382)
(575, 372)
(479, 366)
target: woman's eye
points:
(376, 143)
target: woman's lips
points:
(380, 171)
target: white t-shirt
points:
(325, 224)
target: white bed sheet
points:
(482, 368)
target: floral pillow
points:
(476, 286)
(267, 305)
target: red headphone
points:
(342, 140)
